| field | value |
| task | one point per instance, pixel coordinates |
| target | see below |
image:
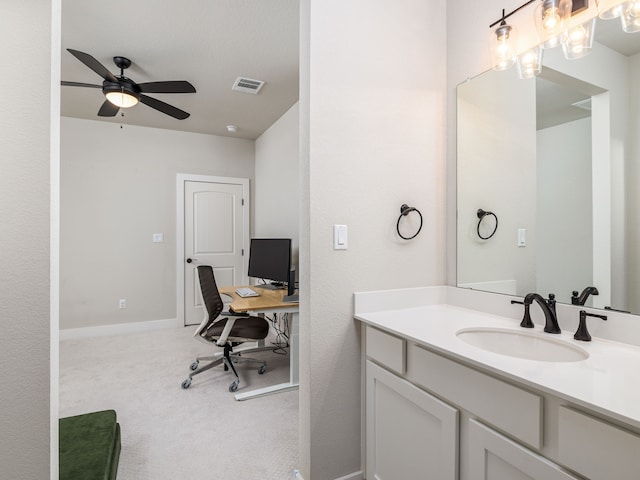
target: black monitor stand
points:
(269, 286)
(291, 296)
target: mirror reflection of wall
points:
(554, 156)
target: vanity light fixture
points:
(551, 17)
(530, 63)
(579, 40)
(631, 17)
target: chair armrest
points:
(233, 313)
(225, 332)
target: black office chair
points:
(226, 330)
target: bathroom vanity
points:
(453, 392)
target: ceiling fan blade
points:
(93, 64)
(164, 107)
(175, 86)
(108, 109)
(78, 84)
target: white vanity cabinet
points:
(428, 417)
(437, 407)
(410, 434)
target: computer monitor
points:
(270, 260)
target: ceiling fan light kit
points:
(122, 92)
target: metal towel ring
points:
(481, 214)
(404, 211)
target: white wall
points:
(632, 175)
(467, 56)
(118, 187)
(372, 106)
(608, 70)
(497, 142)
(25, 121)
(565, 209)
(277, 192)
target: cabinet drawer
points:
(386, 349)
(515, 411)
(597, 449)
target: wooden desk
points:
(269, 302)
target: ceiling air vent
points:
(247, 85)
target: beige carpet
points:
(168, 433)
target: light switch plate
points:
(522, 237)
(340, 234)
(158, 238)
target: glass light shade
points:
(121, 99)
(608, 9)
(530, 63)
(503, 47)
(631, 17)
(551, 16)
(579, 40)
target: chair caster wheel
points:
(186, 384)
(262, 369)
(234, 386)
(194, 366)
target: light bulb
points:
(550, 16)
(631, 17)
(121, 99)
(530, 63)
(579, 40)
(502, 48)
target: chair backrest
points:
(210, 294)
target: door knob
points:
(189, 260)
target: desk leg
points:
(294, 369)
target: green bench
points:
(89, 446)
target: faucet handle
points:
(582, 333)
(552, 302)
(526, 319)
(574, 298)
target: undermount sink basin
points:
(522, 344)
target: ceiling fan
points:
(122, 92)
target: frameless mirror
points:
(556, 161)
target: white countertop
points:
(608, 381)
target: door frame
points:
(181, 178)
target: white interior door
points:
(216, 234)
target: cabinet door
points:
(495, 457)
(410, 434)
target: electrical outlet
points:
(122, 303)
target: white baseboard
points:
(118, 329)
(353, 476)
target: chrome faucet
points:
(582, 298)
(548, 308)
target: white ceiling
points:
(206, 42)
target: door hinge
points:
(243, 252)
(243, 202)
